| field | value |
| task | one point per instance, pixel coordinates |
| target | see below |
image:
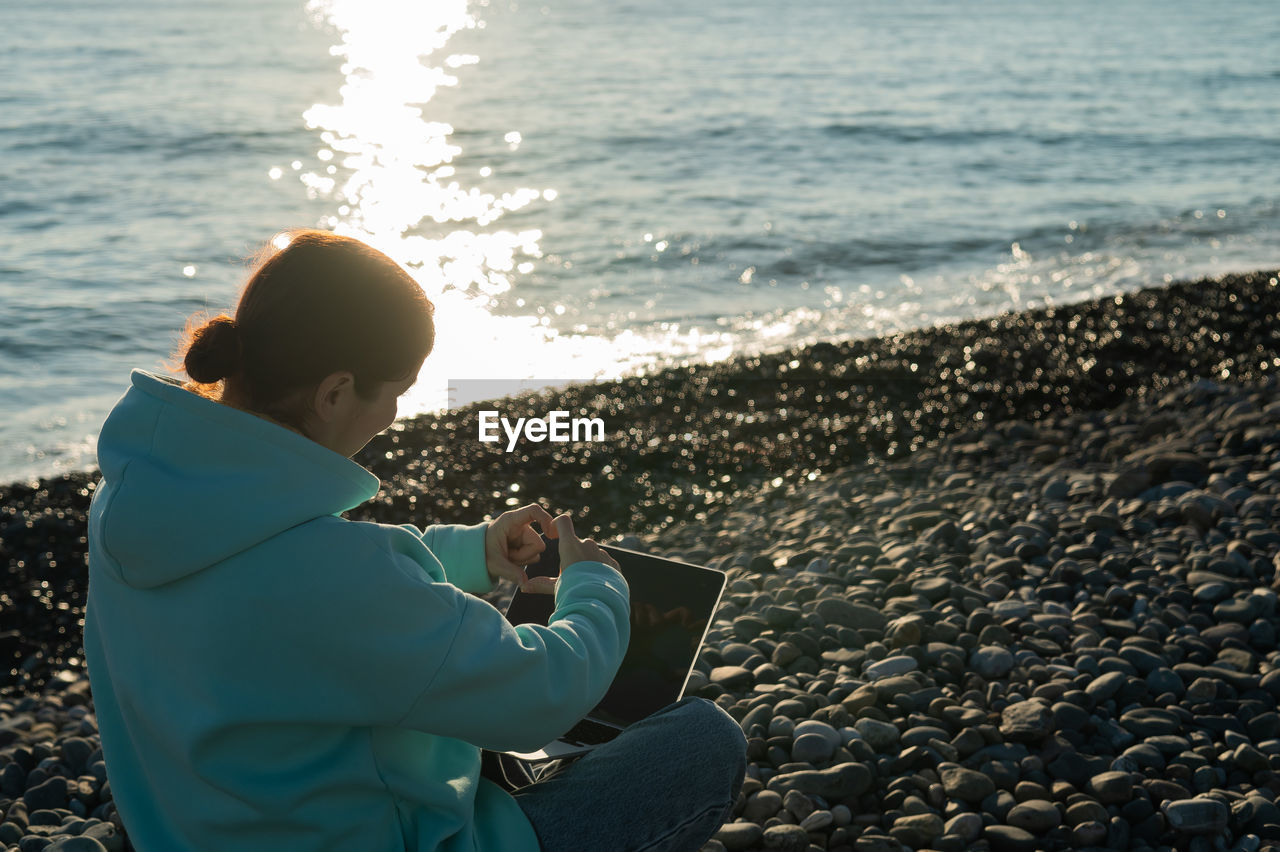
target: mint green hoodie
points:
(268, 675)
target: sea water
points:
(590, 188)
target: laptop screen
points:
(672, 604)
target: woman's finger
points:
(540, 585)
(525, 515)
(563, 525)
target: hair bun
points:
(215, 351)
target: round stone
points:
(49, 794)
(798, 804)
(917, 830)
(1144, 722)
(1034, 816)
(881, 736)
(991, 661)
(891, 667)
(739, 835)
(822, 729)
(1102, 688)
(761, 805)
(1163, 680)
(812, 748)
(933, 589)
(75, 844)
(966, 785)
(731, 677)
(1009, 838)
(1202, 689)
(1091, 833)
(1197, 816)
(1084, 811)
(966, 825)
(1026, 721)
(786, 838)
(1112, 788)
(848, 614)
(736, 653)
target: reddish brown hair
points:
(320, 304)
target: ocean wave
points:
(109, 135)
(958, 137)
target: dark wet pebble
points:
(1197, 816)
(1008, 838)
(1035, 816)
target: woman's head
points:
(319, 306)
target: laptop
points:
(672, 606)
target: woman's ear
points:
(333, 396)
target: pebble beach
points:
(1006, 584)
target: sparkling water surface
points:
(591, 188)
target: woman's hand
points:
(511, 542)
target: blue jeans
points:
(666, 783)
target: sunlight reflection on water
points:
(387, 168)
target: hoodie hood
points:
(188, 482)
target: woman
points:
(268, 674)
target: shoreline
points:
(883, 351)
(1020, 597)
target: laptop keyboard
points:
(588, 732)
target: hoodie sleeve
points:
(460, 549)
(374, 636)
(502, 687)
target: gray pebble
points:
(991, 662)
(1112, 788)
(731, 677)
(933, 589)
(798, 804)
(811, 749)
(1145, 722)
(1008, 838)
(1035, 816)
(50, 793)
(739, 835)
(786, 838)
(833, 784)
(891, 667)
(1091, 833)
(76, 844)
(966, 825)
(1086, 810)
(966, 784)
(1104, 687)
(917, 830)
(847, 614)
(822, 729)
(1026, 721)
(881, 736)
(1163, 680)
(1201, 815)
(762, 805)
